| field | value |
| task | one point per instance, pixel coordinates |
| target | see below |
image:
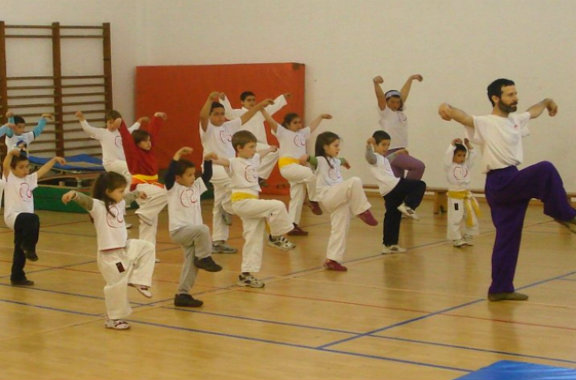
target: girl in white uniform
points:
(254, 212)
(341, 198)
(463, 208)
(292, 138)
(121, 262)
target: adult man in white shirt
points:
(509, 190)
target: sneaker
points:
(186, 300)
(116, 324)
(30, 255)
(156, 260)
(469, 240)
(335, 265)
(24, 282)
(395, 248)
(221, 247)
(409, 212)
(570, 224)
(459, 243)
(315, 207)
(249, 281)
(207, 264)
(128, 226)
(143, 289)
(281, 242)
(227, 218)
(297, 231)
(513, 296)
(368, 218)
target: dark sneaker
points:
(186, 300)
(297, 231)
(249, 281)
(207, 264)
(335, 265)
(30, 254)
(513, 296)
(315, 207)
(221, 247)
(24, 282)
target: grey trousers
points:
(196, 242)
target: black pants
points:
(409, 191)
(26, 229)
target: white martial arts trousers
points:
(255, 213)
(221, 182)
(267, 162)
(342, 201)
(301, 178)
(120, 267)
(148, 210)
(456, 226)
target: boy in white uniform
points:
(15, 130)
(216, 135)
(256, 126)
(121, 262)
(19, 210)
(254, 212)
(463, 209)
(186, 225)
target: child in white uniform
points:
(341, 198)
(15, 130)
(113, 157)
(254, 212)
(292, 163)
(121, 262)
(186, 225)
(19, 210)
(401, 195)
(216, 135)
(256, 126)
(463, 210)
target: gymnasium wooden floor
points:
(419, 315)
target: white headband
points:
(392, 93)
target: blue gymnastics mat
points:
(79, 162)
(509, 370)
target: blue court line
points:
(475, 349)
(187, 329)
(402, 323)
(52, 268)
(65, 293)
(440, 312)
(51, 308)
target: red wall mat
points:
(181, 91)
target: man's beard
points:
(507, 108)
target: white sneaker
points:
(144, 290)
(281, 243)
(408, 211)
(469, 239)
(459, 243)
(249, 281)
(386, 249)
(116, 324)
(128, 226)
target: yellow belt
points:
(235, 197)
(470, 204)
(149, 179)
(285, 161)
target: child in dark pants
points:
(19, 210)
(401, 196)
